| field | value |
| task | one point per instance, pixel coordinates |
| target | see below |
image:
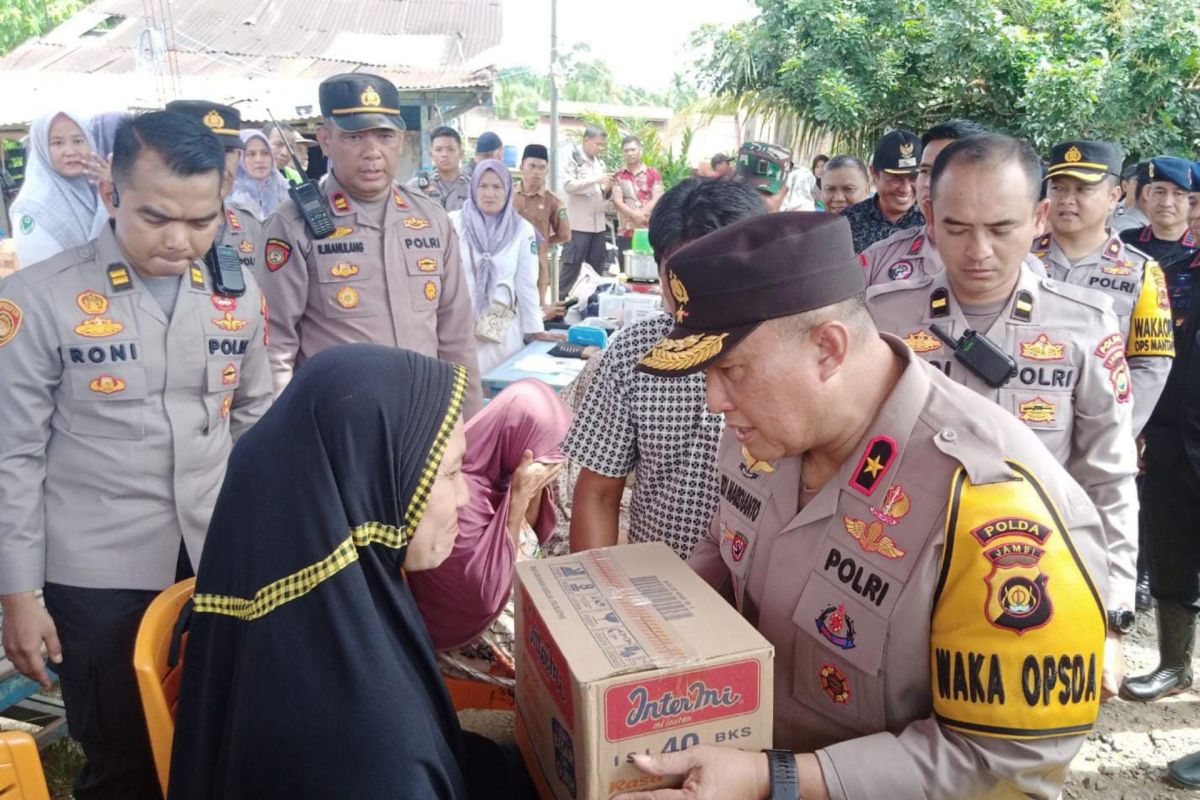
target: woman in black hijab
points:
(308, 671)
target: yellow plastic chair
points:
(158, 683)
(21, 776)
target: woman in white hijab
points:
(258, 187)
(57, 209)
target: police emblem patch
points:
(1073, 154)
(91, 302)
(894, 507)
(277, 253)
(427, 265)
(738, 543)
(246, 246)
(98, 327)
(223, 302)
(751, 466)
(835, 684)
(10, 320)
(370, 97)
(871, 537)
(1036, 410)
(107, 384)
(1042, 349)
(343, 269)
(431, 291)
(900, 271)
(1120, 270)
(921, 342)
(1112, 350)
(836, 626)
(214, 120)
(347, 297)
(416, 223)
(228, 322)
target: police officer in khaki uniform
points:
(1071, 385)
(1080, 249)
(447, 185)
(889, 531)
(389, 273)
(908, 254)
(127, 378)
(239, 229)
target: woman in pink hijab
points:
(512, 458)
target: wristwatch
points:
(1121, 620)
(785, 778)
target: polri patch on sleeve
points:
(277, 253)
(875, 462)
(10, 320)
(1029, 665)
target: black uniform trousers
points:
(97, 629)
(584, 246)
(1171, 507)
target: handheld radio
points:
(980, 355)
(308, 197)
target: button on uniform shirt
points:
(1136, 285)
(399, 284)
(585, 198)
(449, 195)
(869, 225)
(116, 421)
(243, 232)
(1072, 386)
(661, 427)
(881, 651)
(548, 216)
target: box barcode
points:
(665, 601)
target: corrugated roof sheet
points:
(261, 51)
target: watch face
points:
(1122, 621)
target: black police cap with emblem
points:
(1087, 161)
(225, 121)
(898, 153)
(359, 101)
(1171, 169)
(729, 282)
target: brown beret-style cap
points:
(729, 282)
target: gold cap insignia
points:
(214, 120)
(1042, 349)
(1150, 169)
(1073, 155)
(906, 150)
(92, 302)
(675, 355)
(370, 97)
(680, 293)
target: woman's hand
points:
(525, 491)
(98, 170)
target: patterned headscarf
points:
(488, 234)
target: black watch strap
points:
(785, 779)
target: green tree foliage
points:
(21, 19)
(1045, 70)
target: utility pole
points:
(554, 95)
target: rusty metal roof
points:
(258, 51)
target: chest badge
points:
(416, 223)
(431, 291)
(752, 467)
(1042, 349)
(871, 537)
(246, 246)
(427, 265)
(229, 374)
(921, 342)
(228, 322)
(1038, 409)
(91, 302)
(339, 232)
(347, 297)
(895, 506)
(836, 626)
(107, 384)
(835, 684)
(343, 269)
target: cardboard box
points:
(625, 650)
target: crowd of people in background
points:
(188, 343)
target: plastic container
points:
(641, 240)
